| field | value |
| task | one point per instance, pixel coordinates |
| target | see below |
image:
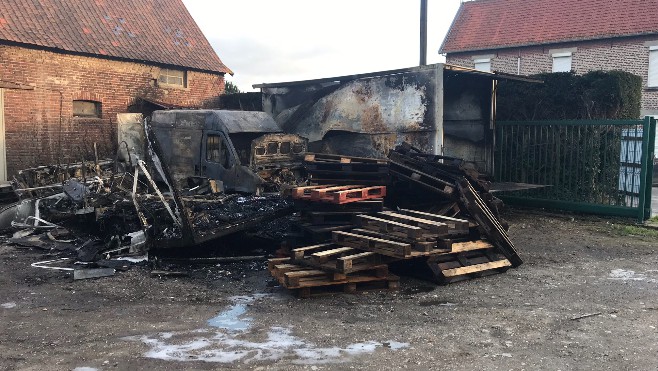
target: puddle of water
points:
(229, 319)
(227, 343)
(395, 345)
(279, 344)
(8, 305)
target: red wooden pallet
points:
(352, 195)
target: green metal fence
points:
(594, 166)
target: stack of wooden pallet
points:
(460, 185)
(441, 248)
(335, 169)
(324, 209)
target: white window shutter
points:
(483, 65)
(562, 63)
(653, 68)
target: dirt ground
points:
(232, 316)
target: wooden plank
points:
(441, 229)
(378, 245)
(386, 225)
(318, 194)
(449, 273)
(355, 195)
(299, 252)
(324, 256)
(488, 222)
(349, 263)
(453, 222)
(424, 179)
(419, 245)
(301, 192)
(458, 247)
(389, 283)
(294, 278)
(275, 261)
(325, 157)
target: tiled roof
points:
(495, 24)
(160, 31)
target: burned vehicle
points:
(241, 151)
(180, 178)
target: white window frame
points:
(483, 62)
(652, 73)
(561, 58)
(172, 78)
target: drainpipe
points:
(423, 32)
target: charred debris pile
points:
(94, 220)
(347, 224)
(435, 219)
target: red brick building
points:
(531, 36)
(68, 67)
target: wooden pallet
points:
(330, 217)
(467, 260)
(430, 226)
(355, 286)
(422, 246)
(365, 206)
(304, 193)
(348, 194)
(352, 168)
(424, 180)
(323, 157)
(307, 281)
(334, 258)
(456, 226)
(381, 246)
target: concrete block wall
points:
(628, 54)
(39, 123)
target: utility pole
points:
(423, 32)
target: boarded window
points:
(216, 150)
(483, 65)
(653, 67)
(562, 62)
(172, 77)
(86, 108)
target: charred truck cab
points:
(242, 151)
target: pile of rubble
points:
(355, 240)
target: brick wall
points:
(627, 54)
(39, 124)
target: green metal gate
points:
(594, 166)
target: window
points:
(483, 65)
(653, 67)
(86, 108)
(216, 150)
(172, 77)
(562, 62)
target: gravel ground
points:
(233, 317)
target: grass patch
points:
(654, 219)
(633, 230)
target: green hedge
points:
(566, 96)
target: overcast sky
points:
(288, 40)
